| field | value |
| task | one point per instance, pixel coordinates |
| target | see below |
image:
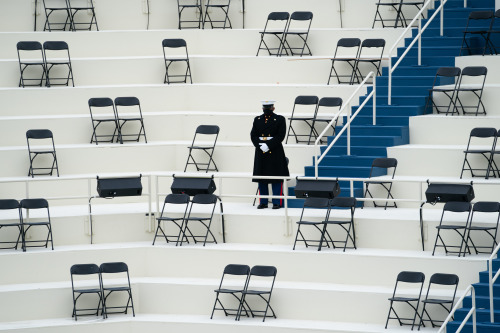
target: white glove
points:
(264, 147)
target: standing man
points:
(267, 135)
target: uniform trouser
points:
(277, 190)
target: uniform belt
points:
(265, 138)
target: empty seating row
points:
(243, 283)
(36, 62)
(17, 215)
(471, 218)
(291, 33)
(480, 24)
(396, 6)
(102, 286)
(432, 304)
(350, 56)
(204, 17)
(482, 141)
(64, 14)
(459, 85)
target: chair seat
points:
(9, 224)
(337, 222)
(477, 151)
(481, 228)
(119, 288)
(310, 222)
(437, 301)
(450, 227)
(36, 223)
(176, 59)
(228, 291)
(87, 291)
(377, 182)
(305, 118)
(257, 292)
(403, 299)
(201, 147)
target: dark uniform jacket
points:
(272, 163)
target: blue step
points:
(346, 160)
(433, 51)
(339, 171)
(428, 61)
(482, 289)
(482, 315)
(401, 131)
(484, 277)
(381, 120)
(406, 80)
(438, 41)
(482, 302)
(482, 327)
(369, 141)
(455, 12)
(470, 4)
(357, 150)
(396, 100)
(382, 90)
(412, 70)
(388, 110)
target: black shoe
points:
(276, 206)
(262, 206)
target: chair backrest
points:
(383, 163)
(6, 204)
(301, 16)
(444, 279)
(84, 269)
(312, 202)
(344, 202)
(278, 16)
(205, 199)
(55, 45)
(300, 21)
(30, 51)
(29, 46)
(208, 129)
(127, 101)
(101, 106)
(411, 277)
(177, 199)
(263, 271)
(130, 104)
(330, 102)
(305, 104)
(497, 13)
(113, 267)
(372, 47)
(236, 269)
(34, 203)
(473, 75)
(457, 206)
(481, 15)
(174, 43)
(348, 48)
(474, 71)
(486, 207)
(39, 134)
(306, 100)
(483, 132)
(448, 71)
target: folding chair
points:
(303, 104)
(206, 131)
(87, 9)
(450, 283)
(207, 200)
(381, 166)
(11, 217)
(447, 76)
(455, 209)
(133, 114)
(45, 147)
(298, 26)
(31, 63)
(489, 43)
(405, 3)
(313, 203)
(113, 268)
(370, 53)
(56, 54)
(102, 112)
(276, 25)
(471, 83)
(391, 5)
(178, 221)
(341, 203)
(484, 209)
(223, 5)
(27, 223)
(406, 278)
(171, 59)
(190, 4)
(487, 137)
(57, 15)
(324, 104)
(238, 275)
(265, 277)
(346, 56)
(478, 25)
(80, 288)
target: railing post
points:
(442, 19)
(420, 41)
(474, 328)
(316, 163)
(389, 92)
(374, 100)
(465, 3)
(349, 129)
(490, 273)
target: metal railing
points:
(472, 312)
(491, 281)
(347, 126)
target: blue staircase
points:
(411, 84)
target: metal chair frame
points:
(204, 130)
(98, 117)
(223, 5)
(326, 102)
(489, 207)
(190, 4)
(460, 229)
(343, 45)
(310, 102)
(442, 280)
(346, 203)
(7, 205)
(377, 164)
(115, 268)
(26, 224)
(467, 72)
(301, 34)
(54, 48)
(240, 275)
(313, 203)
(206, 222)
(400, 19)
(376, 62)
(488, 136)
(35, 151)
(491, 31)
(443, 74)
(54, 6)
(86, 7)
(278, 33)
(77, 291)
(176, 43)
(477, 17)
(172, 199)
(129, 103)
(26, 62)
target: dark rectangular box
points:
(193, 186)
(119, 187)
(318, 188)
(449, 192)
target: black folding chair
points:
(27, 223)
(303, 104)
(326, 103)
(81, 21)
(56, 55)
(57, 15)
(443, 77)
(454, 208)
(448, 281)
(489, 43)
(206, 132)
(484, 136)
(390, 5)
(238, 275)
(102, 113)
(480, 210)
(207, 200)
(346, 224)
(370, 53)
(346, 57)
(11, 217)
(40, 144)
(190, 4)
(406, 278)
(31, 64)
(166, 217)
(133, 113)
(313, 203)
(170, 59)
(381, 166)
(263, 288)
(81, 288)
(276, 25)
(476, 28)
(223, 5)
(298, 29)
(115, 269)
(471, 84)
